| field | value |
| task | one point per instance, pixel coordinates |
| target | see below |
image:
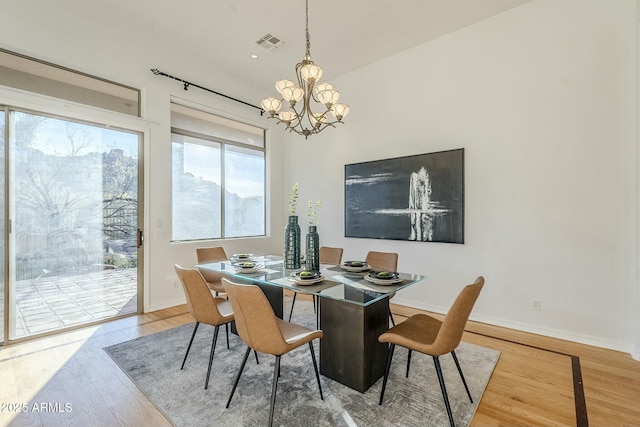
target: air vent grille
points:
(270, 42)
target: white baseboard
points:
(530, 328)
(167, 304)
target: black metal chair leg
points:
(213, 350)
(386, 371)
(235, 382)
(226, 328)
(436, 362)
(190, 342)
(293, 302)
(274, 387)
(256, 353)
(315, 366)
(393, 322)
(408, 362)
(455, 359)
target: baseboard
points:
(527, 327)
(167, 304)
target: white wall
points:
(83, 37)
(543, 99)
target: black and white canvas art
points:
(418, 198)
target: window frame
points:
(222, 143)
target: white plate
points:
(304, 282)
(383, 281)
(241, 269)
(235, 257)
(364, 267)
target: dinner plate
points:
(360, 266)
(241, 257)
(251, 267)
(295, 277)
(375, 277)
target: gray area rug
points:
(153, 364)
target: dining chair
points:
(434, 337)
(383, 261)
(261, 330)
(212, 254)
(327, 255)
(205, 308)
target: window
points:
(25, 73)
(218, 177)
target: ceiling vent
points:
(270, 42)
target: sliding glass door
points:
(74, 238)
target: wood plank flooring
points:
(67, 379)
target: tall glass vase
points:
(313, 249)
(292, 243)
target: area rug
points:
(153, 364)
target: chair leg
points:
(256, 353)
(386, 371)
(408, 362)
(295, 294)
(274, 387)
(455, 359)
(315, 366)
(213, 350)
(235, 382)
(393, 322)
(190, 342)
(436, 362)
(226, 328)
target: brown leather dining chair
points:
(205, 308)
(212, 254)
(327, 255)
(383, 261)
(261, 330)
(434, 337)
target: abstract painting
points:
(419, 198)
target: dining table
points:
(353, 311)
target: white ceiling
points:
(345, 34)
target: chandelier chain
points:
(307, 31)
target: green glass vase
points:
(292, 243)
(313, 249)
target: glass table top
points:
(336, 283)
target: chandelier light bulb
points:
(271, 105)
(322, 86)
(281, 84)
(287, 116)
(340, 111)
(329, 97)
(311, 72)
(292, 94)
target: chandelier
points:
(301, 119)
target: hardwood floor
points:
(67, 379)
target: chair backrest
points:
(201, 303)
(453, 325)
(382, 261)
(256, 322)
(331, 256)
(211, 254)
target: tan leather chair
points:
(435, 338)
(212, 254)
(383, 261)
(205, 308)
(327, 255)
(262, 331)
